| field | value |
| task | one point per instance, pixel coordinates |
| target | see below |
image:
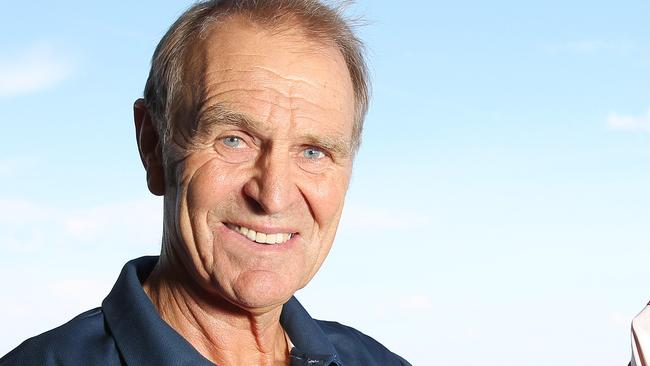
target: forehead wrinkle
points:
(277, 74)
(226, 71)
(252, 70)
(293, 90)
(267, 87)
(224, 87)
(268, 75)
(293, 102)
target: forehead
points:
(276, 75)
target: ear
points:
(149, 147)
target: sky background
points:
(500, 205)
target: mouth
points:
(261, 237)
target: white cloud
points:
(20, 212)
(138, 220)
(33, 69)
(31, 226)
(629, 123)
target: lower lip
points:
(239, 238)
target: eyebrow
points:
(219, 114)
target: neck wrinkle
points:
(221, 332)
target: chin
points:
(261, 290)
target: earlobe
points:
(149, 147)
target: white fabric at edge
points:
(641, 338)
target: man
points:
(250, 120)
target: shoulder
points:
(356, 348)
(84, 340)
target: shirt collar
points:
(144, 338)
(140, 333)
(312, 347)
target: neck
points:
(220, 331)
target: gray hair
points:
(170, 88)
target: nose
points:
(272, 187)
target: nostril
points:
(254, 206)
(251, 193)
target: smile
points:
(259, 237)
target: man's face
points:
(257, 199)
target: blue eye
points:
(313, 153)
(232, 141)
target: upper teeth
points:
(262, 238)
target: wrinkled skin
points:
(285, 169)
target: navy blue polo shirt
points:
(127, 330)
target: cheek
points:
(326, 198)
(212, 185)
(209, 190)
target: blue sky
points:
(498, 213)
